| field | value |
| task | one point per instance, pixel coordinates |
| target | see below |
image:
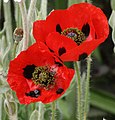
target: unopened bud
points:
(18, 34)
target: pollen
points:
(44, 76)
(77, 35)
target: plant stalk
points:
(53, 110)
(14, 49)
(79, 92)
(86, 102)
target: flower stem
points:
(53, 110)
(86, 102)
(79, 104)
(14, 49)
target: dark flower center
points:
(77, 35)
(43, 76)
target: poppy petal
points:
(56, 21)
(85, 17)
(38, 57)
(62, 46)
(86, 12)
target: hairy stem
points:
(86, 102)
(14, 49)
(53, 110)
(79, 92)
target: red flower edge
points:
(84, 16)
(21, 70)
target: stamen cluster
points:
(43, 76)
(77, 35)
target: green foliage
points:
(113, 4)
(4, 88)
(34, 115)
(112, 24)
(103, 100)
(70, 2)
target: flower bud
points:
(18, 34)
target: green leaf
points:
(34, 115)
(112, 19)
(43, 8)
(10, 106)
(1, 107)
(72, 84)
(112, 24)
(70, 2)
(2, 32)
(4, 88)
(103, 100)
(113, 4)
(67, 105)
(48, 112)
(3, 45)
(60, 4)
(18, 15)
(113, 38)
(96, 112)
(96, 53)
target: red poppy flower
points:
(36, 75)
(73, 33)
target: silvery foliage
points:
(14, 1)
(112, 21)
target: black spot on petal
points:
(28, 70)
(82, 56)
(34, 93)
(58, 28)
(59, 64)
(59, 91)
(61, 51)
(95, 36)
(51, 50)
(86, 29)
